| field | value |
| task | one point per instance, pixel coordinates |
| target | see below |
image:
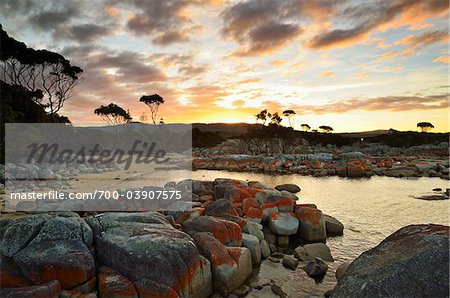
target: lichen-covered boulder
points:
(412, 262)
(227, 232)
(50, 247)
(148, 251)
(283, 223)
(312, 224)
(252, 243)
(231, 266)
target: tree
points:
(305, 127)
(275, 120)
(425, 126)
(161, 121)
(325, 128)
(153, 102)
(112, 114)
(48, 76)
(288, 114)
(263, 116)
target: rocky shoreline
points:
(323, 165)
(360, 160)
(210, 250)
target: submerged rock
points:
(292, 188)
(317, 269)
(412, 262)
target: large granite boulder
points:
(252, 243)
(412, 262)
(231, 266)
(333, 226)
(148, 251)
(311, 224)
(227, 232)
(283, 223)
(50, 247)
(220, 208)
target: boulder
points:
(292, 188)
(145, 248)
(252, 243)
(316, 269)
(333, 226)
(227, 232)
(290, 262)
(412, 262)
(49, 289)
(113, 284)
(355, 171)
(267, 209)
(269, 235)
(254, 215)
(51, 247)
(283, 241)
(220, 208)
(254, 229)
(265, 250)
(202, 188)
(230, 266)
(311, 224)
(283, 223)
(309, 252)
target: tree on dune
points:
(153, 102)
(326, 128)
(305, 127)
(112, 114)
(289, 114)
(275, 120)
(425, 126)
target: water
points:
(370, 209)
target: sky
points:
(351, 65)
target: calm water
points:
(370, 210)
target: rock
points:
(311, 224)
(283, 223)
(412, 262)
(267, 209)
(290, 262)
(220, 207)
(229, 233)
(333, 226)
(319, 250)
(309, 252)
(254, 215)
(10, 274)
(317, 269)
(202, 188)
(355, 171)
(254, 229)
(230, 266)
(283, 241)
(340, 271)
(242, 291)
(292, 188)
(51, 247)
(273, 259)
(277, 290)
(437, 189)
(265, 250)
(113, 284)
(139, 245)
(252, 243)
(49, 289)
(269, 235)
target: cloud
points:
(264, 27)
(170, 37)
(371, 17)
(83, 33)
(415, 42)
(327, 74)
(386, 103)
(443, 59)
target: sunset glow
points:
(353, 65)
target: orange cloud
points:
(327, 74)
(443, 59)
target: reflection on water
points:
(370, 209)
